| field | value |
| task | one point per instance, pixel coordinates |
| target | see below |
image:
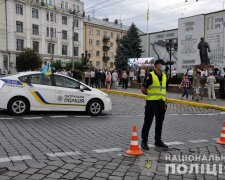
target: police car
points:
(33, 91)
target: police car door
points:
(68, 94)
(41, 91)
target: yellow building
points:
(101, 41)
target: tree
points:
(28, 60)
(128, 47)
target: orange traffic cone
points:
(134, 147)
(221, 140)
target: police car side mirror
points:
(81, 88)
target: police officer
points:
(154, 87)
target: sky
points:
(164, 14)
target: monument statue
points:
(203, 47)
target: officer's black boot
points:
(144, 146)
(161, 144)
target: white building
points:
(31, 23)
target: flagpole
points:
(147, 30)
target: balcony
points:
(105, 58)
(106, 38)
(106, 48)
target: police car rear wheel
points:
(94, 107)
(18, 106)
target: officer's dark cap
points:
(160, 61)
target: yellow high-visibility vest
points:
(157, 91)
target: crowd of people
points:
(109, 79)
(194, 82)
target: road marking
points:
(173, 143)
(58, 116)
(83, 116)
(32, 118)
(107, 150)
(6, 118)
(61, 154)
(14, 158)
(198, 141)
(173, 114)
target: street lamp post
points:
(171, 47)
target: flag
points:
(46, 70)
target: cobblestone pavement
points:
(76, 146)
(218, 102)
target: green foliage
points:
(28, 60)
(129, 47)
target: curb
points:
(169, 100)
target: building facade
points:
(101, 39)
(43, 25)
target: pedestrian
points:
(185, 84)
(103, 78)
(154, 87)
(142, 75)
(96, 78)
(131, 77)
(174, 73)
(196, 86)
(108, 79)
(114, 79)
(222, 87)
(211, 80)
(190, 73)
(124, 79)
(92, 78)
(87, 77)
(100, 78)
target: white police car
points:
(33, 91)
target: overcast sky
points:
(164, 13)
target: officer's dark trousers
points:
(153, 109)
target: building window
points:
(105, 33)
(64, 34)
(97, 53)
(90, 42)
(19, 26)
(76, 22)
(98, 32)
(66, 5)
(36, 46)
(51, 47)
(52, 32)
(111, 54)
(35, 29)
(111, 44)
(76, 36)
(62, 4)
(64, 20)
(98, 43)
(98, 64)
(111, 64)
(91, 52)
(104, 65)
(52, 17)
(19, 44)
(64, 50)
(91, 31)
(111, 34)
(47, 16)
(76, 51)
(34, 13)
(19, 9)
(74, 7)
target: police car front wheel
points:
(94, 107)
(18, 106)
